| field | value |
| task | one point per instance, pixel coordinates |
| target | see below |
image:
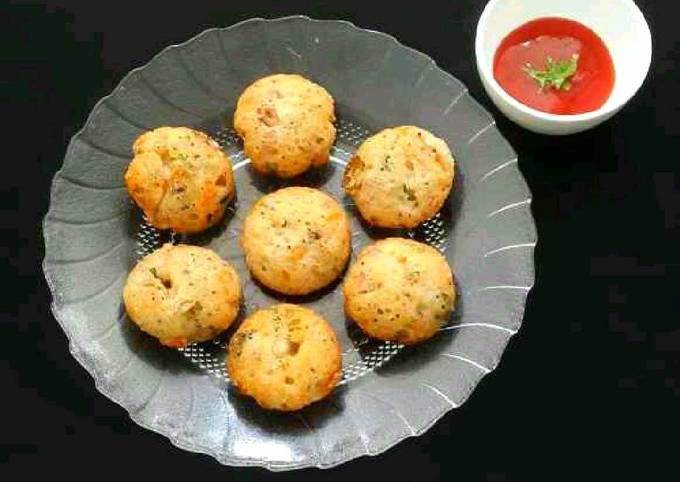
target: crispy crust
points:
(296, 240)
(399, 290)
(182, 294)
(400, 177)
(180, 178)
(285, 357)
(286, 123)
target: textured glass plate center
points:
(360, 354)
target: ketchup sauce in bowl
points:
(561, 67)
(555, 65)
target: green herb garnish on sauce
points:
(556, 74)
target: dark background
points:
(587, 389)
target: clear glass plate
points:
(94, 235)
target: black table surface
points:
(588, 387)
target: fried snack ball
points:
(182, 294)
(399, 290)
(180, 178)
(296, 240)
(400, 177)
(285, 357)
(286, 123)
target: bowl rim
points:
(603, 112)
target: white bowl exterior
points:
(619, 23)
(539, 124)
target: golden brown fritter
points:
(180, 178)
(285, 357)
(286, 123)
(182, 294)
(399, 290)
(296, 240)
(400, 177)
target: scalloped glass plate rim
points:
(81, 356)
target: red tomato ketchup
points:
(542, 49)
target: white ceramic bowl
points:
(619, 23)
